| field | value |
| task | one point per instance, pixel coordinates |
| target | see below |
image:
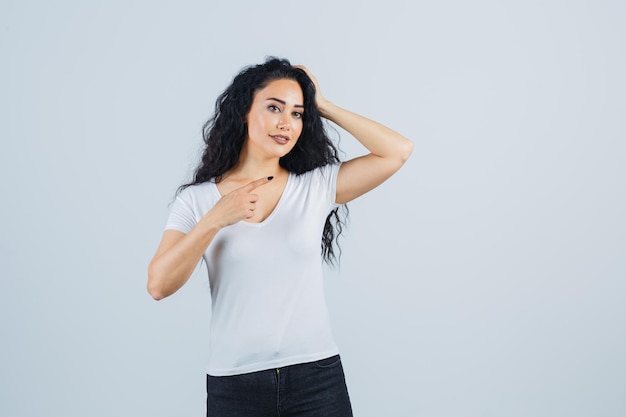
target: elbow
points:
(155, 290)
(406, 150)
(155, 294)
(401, 155)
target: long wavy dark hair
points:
(224, 134)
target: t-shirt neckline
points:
(272, 214)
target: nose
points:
(283, 122)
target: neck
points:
(255, 166)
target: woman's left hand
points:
(388, 149)
(320, 100)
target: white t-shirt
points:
(266, 279)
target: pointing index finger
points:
(257, 183)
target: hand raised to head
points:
(320, 100)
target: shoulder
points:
(192, 194)
(324, 173)
(319, 183)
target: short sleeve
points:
(182, 216)
(329, 179)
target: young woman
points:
(266, 193)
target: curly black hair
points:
(224, 134)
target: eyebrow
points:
(283, 102)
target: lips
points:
(281, 139)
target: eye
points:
(297, 115)
(274, 108)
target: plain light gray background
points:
(485, 279)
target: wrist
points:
(210, 224)
(326, 109)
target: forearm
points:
(179, 253)
(378, 139)
(170, 269)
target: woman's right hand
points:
(237, 205)
(179, 253)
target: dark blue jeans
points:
(314, 389)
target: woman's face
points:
(275, 118)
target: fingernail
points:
(271, 177)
